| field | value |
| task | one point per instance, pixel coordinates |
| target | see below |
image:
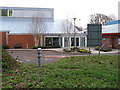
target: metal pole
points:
(39, 57)
(89, 39)
(99, 41)
(89, 50)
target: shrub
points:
(78, 50)
(54, 46)
(34, 47)
(97, 47)
(103, 49)
(5, 47)
(74, 48)
(66, 50)
(83, 51)
(8, 62)
(43, 47)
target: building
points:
(28, 27)
(111, 34)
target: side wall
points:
(24, 40)
(3, 37)
(112, 41)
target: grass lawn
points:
(75, 72)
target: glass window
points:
(77, 41)
(0, 12)
(66, 41)
(10, 12)
(49, 41)
(4, 12)
(82, 41)
(55, 41)
(72, 41)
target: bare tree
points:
(37, 28)
(112, 16)
(68, 27)
(100, 18)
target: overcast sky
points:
(80, 9)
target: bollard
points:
(39, 57)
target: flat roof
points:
(26, 8)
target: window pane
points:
(10, 12)
(4, 12)
(0, 12)
(77, 41)
(72, 41)
(55, 41)
(82, 41)
(66, 42)
(48, 41)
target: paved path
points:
(48, 55)
(30, 56)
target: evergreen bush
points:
(8, 62)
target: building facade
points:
(29, 27)
(111, 34)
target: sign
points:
(94, 37)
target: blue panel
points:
(113, 22)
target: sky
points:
(63, 9)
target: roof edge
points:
(25, 8)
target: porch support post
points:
(7, 38)
(41, 40)
(70, 41)
(62, 41)
(79, 42)
(59, 40)
(85, 41)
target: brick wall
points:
(43, 40)
(115, 42)
(21, 39)
(24, 40)
(0, 38)
(112, 41)
(3, 37)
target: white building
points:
(19, 21)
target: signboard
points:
(94, 37)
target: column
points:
(7, 38)
(59, 40)
(79, 42)
(41, 40)
(85, 41)
(70, 41)
(62, 41)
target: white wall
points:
(30, 13)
